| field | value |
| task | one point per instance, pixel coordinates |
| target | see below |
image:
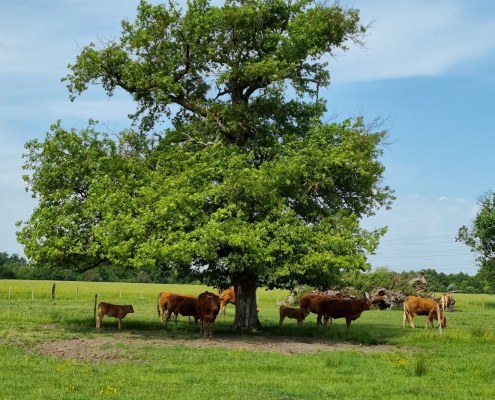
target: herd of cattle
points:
(207, 306)
(203, 308)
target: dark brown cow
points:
(227, 296)
(183, 305)
(291, 312)
(308, 302)
(417, 305)
(162, 301)
(112, 310)
(350, 309)
(208, 306)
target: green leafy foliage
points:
(481, 238)
(247, 184)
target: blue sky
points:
(427, 70)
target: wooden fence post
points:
(10, 292)
(96, 301)
(53, 292)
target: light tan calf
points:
(112, 310)
(226, 297)
(291, 312)
(417, 305)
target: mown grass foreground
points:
(51, 350)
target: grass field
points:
(51, 350)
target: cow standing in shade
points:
(227, 296)
(183, 305)
(162, 302)
(112, 310)
(291, 312)
(208, 307)
(309, 301)
(350, 309)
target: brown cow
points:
(162, 301)
(112, 310)
(227, 296)
(309, 301)
(350, 309)
(417, 305)
(183, 305)
(446, 301)
(291, 312)
(208, 306)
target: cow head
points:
(443, 321)
(367, 301)
(129, 308)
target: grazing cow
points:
(291, 312)
(183, 305)
(446, 301)
(417, 305)
(208, 306)
(350, 309)
(227, 296)
(162, 301)
(112, 310)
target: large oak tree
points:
(247, 185)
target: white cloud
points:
(416, 38)
(443, 198)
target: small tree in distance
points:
(248, 186)
(481, 237)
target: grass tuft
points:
(420, 366)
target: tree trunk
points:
(246, 313)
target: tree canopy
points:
(247, 185)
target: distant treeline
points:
(16, 267)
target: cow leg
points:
(407, 317)
(169, 313)
(120, 324)
(98, 322)
(162, 314)
(411, 320)
(429, 320)
(348, 322)
(281, 321)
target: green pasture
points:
(382, 360)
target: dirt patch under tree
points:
(110, 349)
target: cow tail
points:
(158, 305)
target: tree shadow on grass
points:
(362, 333)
